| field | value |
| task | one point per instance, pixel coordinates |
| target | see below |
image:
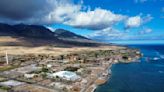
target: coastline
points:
(97, 62)
(106, 79)
(110, 73)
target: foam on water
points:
(156, 58)
(160, 55)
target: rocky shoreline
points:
(109, 73)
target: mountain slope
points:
(6, 30)
(61, 33)
(36, 35)
(35, 31)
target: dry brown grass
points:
(32, 88)
(20, 50)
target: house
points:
(29, 75)
(49, 65)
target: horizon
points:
(108, 20)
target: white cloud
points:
(133, 22)
(114, 34)
(146, 31)
(97, 19)
(108, 34)
(137, 21)
(147, 18)
(65, 12)
(50, 28)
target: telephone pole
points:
(7, 61)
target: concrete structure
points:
(27, 69)
(11, 83)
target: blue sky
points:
(103, 20)
(151, 13)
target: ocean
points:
(144, 76)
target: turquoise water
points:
(144, 76)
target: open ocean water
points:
(144, 76)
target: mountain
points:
(22, 30)
(67, 35)
(6, 30)
(61, 33)
(35, 31)
(37, 35)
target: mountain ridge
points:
(37, 35)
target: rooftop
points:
(66, 75)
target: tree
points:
(44, 69)
(61, 57)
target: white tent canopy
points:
(66, 75)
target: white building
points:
(49, 65)
(67, 75)
(29, 75)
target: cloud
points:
(22, 9)
(56, 11)
(146, 31)
(137, 21)
(95, 20)
(37, 11)
(50, 28)
(108, 34)
(45, 12)
(114, 34)
(133, 22)
(147, 18)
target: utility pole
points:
(7, 61)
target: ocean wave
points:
(156, 58)
(160, 55)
